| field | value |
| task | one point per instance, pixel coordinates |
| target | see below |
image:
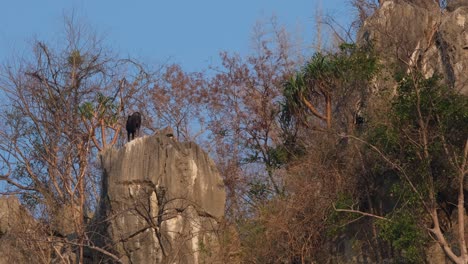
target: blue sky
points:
(191, 33)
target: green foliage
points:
(384, 136)
(338, 221)
(292, 89)
(258, 190)
(406, 103)
(405, 234)
(349, 65)
(342, 73)
(103, 108)
(87, 110)
(278, 156)
(422, 106)
(322, 67)
(408, 199)
(344, 201)
(356, 63)
(445, 111)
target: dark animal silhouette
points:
(133, 125)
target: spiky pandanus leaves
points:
(302, 89)
(325, 77)
(103, 113)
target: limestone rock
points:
(161, 202)
(10, 212)
(418, 34)
(14, 222)
(63, 220)
(454, 4)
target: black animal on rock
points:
(133, 125)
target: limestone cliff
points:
(418, 33)
(15, 225)
(161, 202)
(414, 34)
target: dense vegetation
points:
(315, 159)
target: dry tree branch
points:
(361, 213)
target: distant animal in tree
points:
(133, 125)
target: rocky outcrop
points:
(161, 202)
(15, 225)
(419, 34)
(408, 35)
(10, 212)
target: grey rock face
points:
(10, 212)
(15, 223)
(418, 34)
(452, 5)
(161, 202)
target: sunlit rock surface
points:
(15, 223)
(418, 33)
(161, 202)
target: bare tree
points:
(56, 102)
(177, 98)
(244, 97)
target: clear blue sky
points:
(190, 32)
